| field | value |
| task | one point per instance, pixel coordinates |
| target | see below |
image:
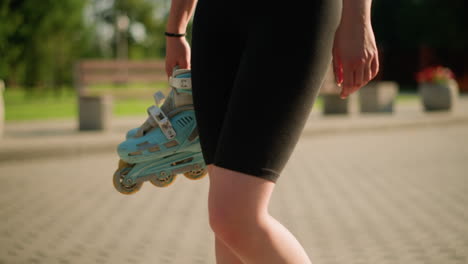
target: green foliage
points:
(40, 41)
(8, 53)
(34, 105)
(139, 12)
(43, 105)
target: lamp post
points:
(122, 24)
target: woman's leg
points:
(254, 86)
(224, 255)
(238, 210)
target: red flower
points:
(437, 74)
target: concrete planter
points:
(330, 93)
(378, 97)
(95, 112)
(333, 104)
(439, 97)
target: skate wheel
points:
(163, 181)
(119, 175)
(196, 174)
(123, 164)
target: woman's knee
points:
(231, 224)
(237, 203)
(223, 223)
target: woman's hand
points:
(355, 56)
(177, 53)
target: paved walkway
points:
(361, 189)
(39, 139)
(377, 196)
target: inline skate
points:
(166, 144)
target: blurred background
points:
(41, 43)
(380, 177)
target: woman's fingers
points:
(337, 70)
(358, 77)
(177, 54)
(368, 72)
(374, 68)
(183, 64)
(348, 81)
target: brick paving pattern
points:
(398, 196)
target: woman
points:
(256, 71)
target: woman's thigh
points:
(279, 77)
(217, 46)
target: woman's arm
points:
(355, 55)
(357, 10)
(177, 48)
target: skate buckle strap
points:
(158, 97)
(161, 119)
(180, 83)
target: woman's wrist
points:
(356, 11)
(179, 15)
(176, 29)
(174, 39)
(174, 35)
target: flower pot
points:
(333, 104)
(439, 96)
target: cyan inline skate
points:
(166, 144)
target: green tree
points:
(403, 26)
(439, 24)
(40, 41)
(141, 13)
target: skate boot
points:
(165, 145)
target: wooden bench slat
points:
(90, 79)
(88, 72)
(87, 65)
(123, 71)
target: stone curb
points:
(389, 125)
(54, 147)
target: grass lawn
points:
(42, 106)
(128, 101)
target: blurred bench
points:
(95, 111)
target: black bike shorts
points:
(257, 67)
